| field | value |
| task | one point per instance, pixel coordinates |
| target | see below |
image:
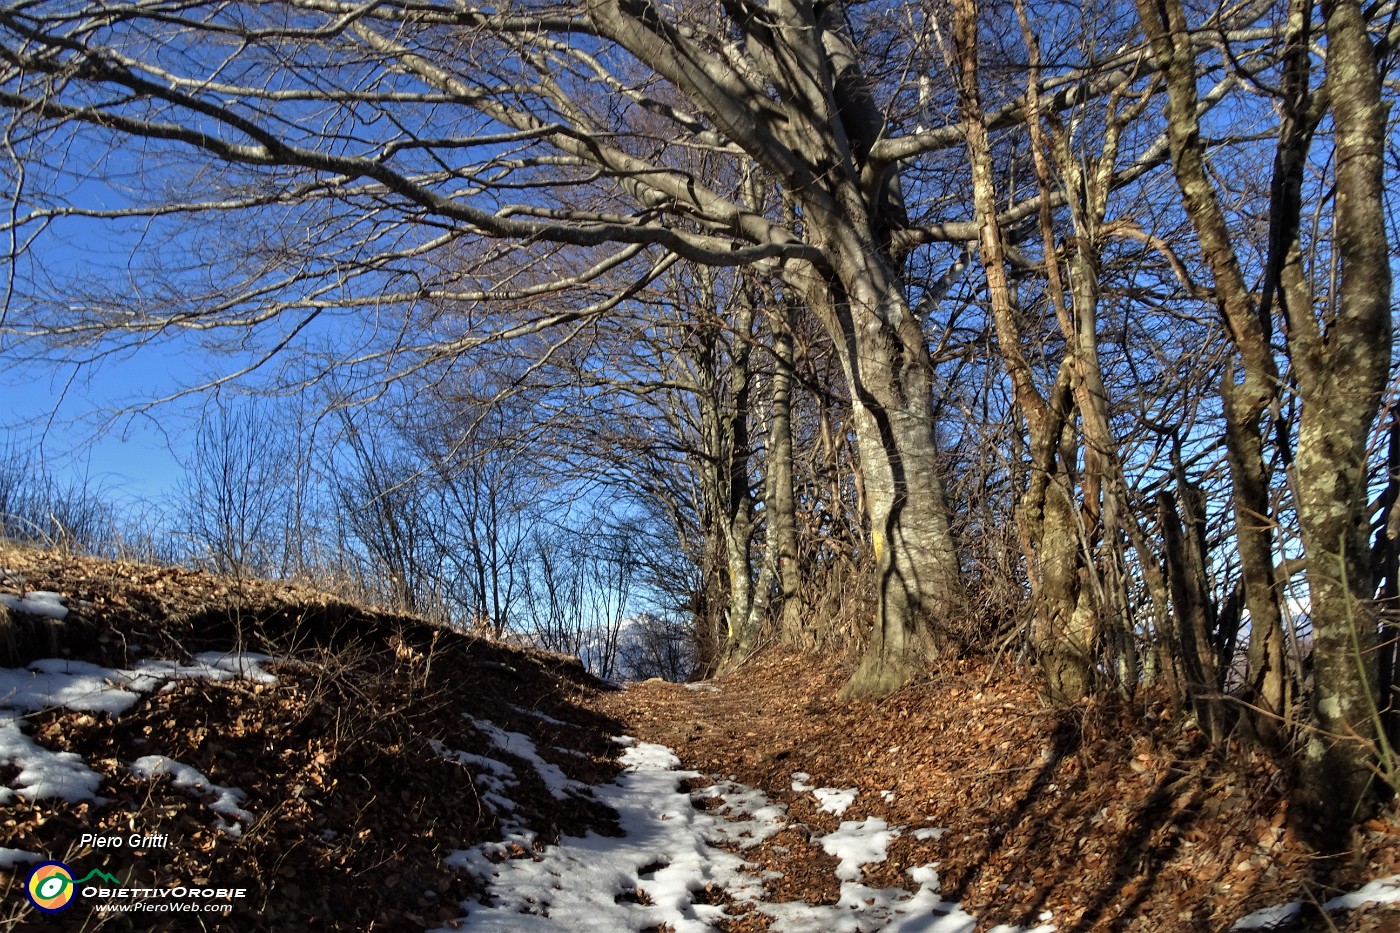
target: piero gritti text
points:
(117, 841)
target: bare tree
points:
(233, 496)
(363, 142)
(481, 497)
(37, 507)
(1339, 349)
(377, 489)
(722, 250)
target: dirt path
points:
(1106, 816)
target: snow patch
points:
(765, 819)
(225, 800)
(77, 685)
(863, 909)
(43, 773)
(1269, 918)
(53, 683)
(1380, 891)
(498, 768)
(43, 603)
(9, 858)
(523, 747)
(536, 714)
(834, 799)
(649, 878)
(857, 844)
(211, 665)
(492, 777)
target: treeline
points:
(479, 538)
(1061, 334)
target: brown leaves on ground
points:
(1110, 815)
(353, 811)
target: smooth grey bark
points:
(719, 349)
(887, 367)
(1342, 359)
(780, 577)
(738, 500)
(884, 355)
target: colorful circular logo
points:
(50, 887)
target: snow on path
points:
(590, 883)
(560, 785)
(829, 799)
(858, 843)
(835, 799)
(669, 854)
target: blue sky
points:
(71, 421)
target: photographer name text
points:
(133, 841)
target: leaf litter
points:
(386, 775)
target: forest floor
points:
(1106, 816)
(355, 770)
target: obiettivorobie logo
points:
(51, 888)
(51, 885)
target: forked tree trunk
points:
(1047, 519)
(1065, 620)
(818, 148)
(918, 584)
(861, 301)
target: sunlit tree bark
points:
(1342, 358)
(461, 125)
(1340, 353)
(1250, 386)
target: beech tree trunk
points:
(1342, 361)
(780, 572)
(887, 367)
(862, 303)
(743, 628)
